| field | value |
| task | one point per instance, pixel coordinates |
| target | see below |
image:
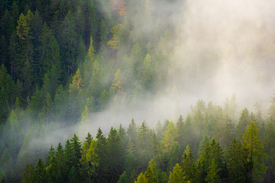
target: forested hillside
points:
(68, 67)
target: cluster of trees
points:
(205, 147)
(63, 59)
(219, 151)
(44, 43)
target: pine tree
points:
(55, 64)
(212, 175)
(43, 62)
(177, 175)
(141, 178)
(70, 157)
(169, 138)
(123, 178)
(3, 50)
(132, 132)
(198, 121)
(13, 54)
(85, 165)
(103, 32)
(243, 123)
(188, 164)
(76, 145)
(69, 43)
(3, 105)
(180, 127)
(102, 151)
(7, 164)
(238, 166)
(147, 73)
(28, 174)
(40, 174)
(51, 154)
(114, 155)
(81, 51)
(92, 157)
(269, 141)
(255, 148)
(72, 177)
(150, 172)
(203, 145)
(91, 50)
(130, 163)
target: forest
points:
(97, 91)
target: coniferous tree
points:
(7, 164)
(169, 138)
(269, 141)
(238, 166)
(255, 148)
(180, 127)
(40, 174)
(123, 178)
(188, 164)
(213, 173)
(176, 175)
(115, 160)
(28, 174)
(102, 151)
(243, 123)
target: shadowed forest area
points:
(115, 91)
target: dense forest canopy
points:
(145, 91)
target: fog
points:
(219, 48)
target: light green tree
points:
(255, 147)
(169, 137)
(177, 175)
(92, 157)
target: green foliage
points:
(28, 174)
(176, 175)
(169, 138)
(255, 148)
(212, 175)
(123, 178)
(238, 166)
(43, 47)
(115, 160)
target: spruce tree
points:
(255, 148)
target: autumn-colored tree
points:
(169, 138)
(114, 42)
(76, 82)
(117, 83)
(119, 6)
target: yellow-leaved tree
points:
(169, 137)
(76, 82)
(117, 84)
(114, 42)
(92, 157)
(23, 29)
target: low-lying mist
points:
(217, 48)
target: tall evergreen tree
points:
(255, 147)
